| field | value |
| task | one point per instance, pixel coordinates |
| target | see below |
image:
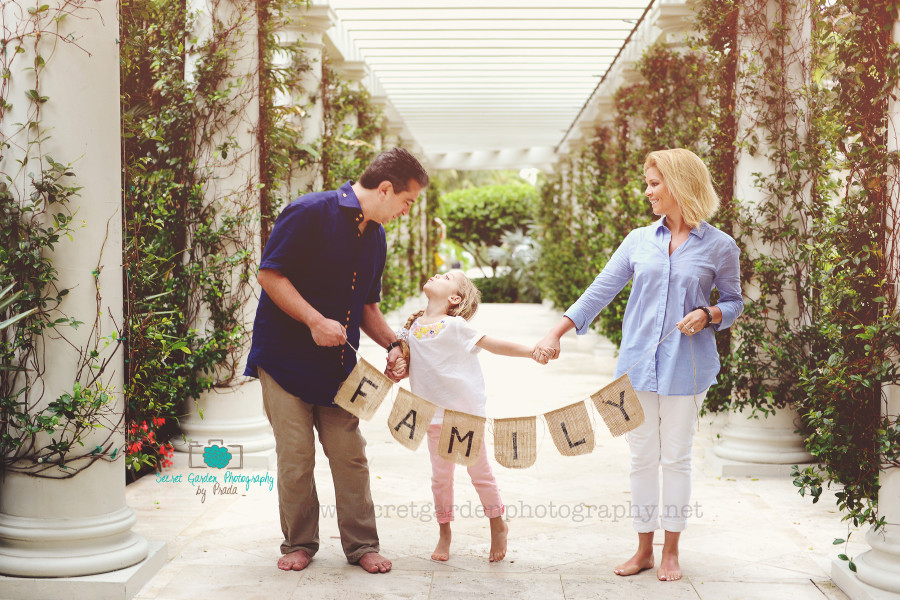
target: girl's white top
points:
(444, 367)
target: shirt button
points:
(345, 195)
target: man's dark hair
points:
(397, 166)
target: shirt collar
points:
(347, 197)
(350, 206)
(697, 231)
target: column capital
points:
(351, 70)
(311, 25)
(674, 19)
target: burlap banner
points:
(571, 429)
(515, 442)
(462, 436)
(619, 406)
(363, 391)
(410, 418)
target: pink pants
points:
(442, 481)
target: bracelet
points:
(392, 345)
(708, 315)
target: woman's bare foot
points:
(642, 559)
(634, 565)
(442, 550)
(375, 563)
(294, 561)
(499, 529)
(669, 569)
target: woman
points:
(674, 264)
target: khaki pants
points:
(292, 422)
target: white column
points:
(878, 569)
(310, 26)
(352, 72)
(764, 445)
(234, 412)
(54, 526)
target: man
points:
(321, 279)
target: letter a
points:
(405, 421)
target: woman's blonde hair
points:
(689, 182)
(469, 295)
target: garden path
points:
(752, 538)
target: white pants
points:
(663, 440)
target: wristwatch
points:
(708, 314)
(392, 345)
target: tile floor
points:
(753, 538)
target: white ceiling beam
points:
(384, 12)
(561, 25)
(488, 75)
(491, 4)
(373, 35)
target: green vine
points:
(41, 437)
(820, 331)
(189, 250)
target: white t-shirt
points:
(444, 366)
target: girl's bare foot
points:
(294, 561)
(499, 529)
(641, 561)
(442, 550)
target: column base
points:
(851, 585)
(69, 547)
(764, 441)
(123, 584)
(236, 419)
(722, 467)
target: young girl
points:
(444, 369)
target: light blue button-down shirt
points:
(665, 289)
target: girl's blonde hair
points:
(469, 295)
(689, 182)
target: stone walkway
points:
(752, 538)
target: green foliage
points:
(41, 436)
(516, 260)
(281, 148)
(481, 215)
(188, 247)
(352, 125)
(820, 330)
(590, 205)
(500, 289)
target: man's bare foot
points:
(499, 529)
(442, 550)
(375, 563)
(294, 561)
(634, 565)
(669, 569)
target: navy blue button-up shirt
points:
(665, 289)
(317, 245)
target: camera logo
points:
(215, 455)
